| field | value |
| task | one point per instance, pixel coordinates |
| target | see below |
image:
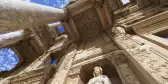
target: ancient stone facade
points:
(129, 42)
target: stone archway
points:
(109, 70)
(115, 65)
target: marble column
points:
(55, 24)
(10, 38)
(16, 15)
(54, 27)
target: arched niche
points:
(86, 72)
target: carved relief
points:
(88, 23)
(44, 35)
(117, 58)
(65, 65)
(75, 70)
(153, 28)
(119, 31)
(120, 58)
(74, 80)
(27, 78)
(152, 61)
(127, 74)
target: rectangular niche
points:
(162, 34)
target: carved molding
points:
(60, 76)
(90, 59)
(88, 24)
(118, 59)
(142, 26)
(151, 61)
(126, 74)
(39, 76)
(119, 31)
(153, 28)
(75, 71)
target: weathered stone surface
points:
(10, 38)
(128, 57)
(150, 60)
(17, 15)
(38, 76)
(54, 29)
(88, 24)
(60, 77)
(127, 73)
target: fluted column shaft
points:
(16, 15)
(54, 27)
(10, 38)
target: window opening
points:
(8, 59)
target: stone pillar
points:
(54, 27)
(61, 76)
(103, 13)
(16, 15)
(10, 38)
(146, 58)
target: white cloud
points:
(62, 5)
(27, 0)
(125, 1)
(46, 1)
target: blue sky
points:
(8, 58)
(52, 3)
(125, 1)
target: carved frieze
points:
(65, 65)
(120, 58)
(127, 74)
(28, 77)
(88, 23)
(119, 31)
(153, 28)
(117, 58)
(75, 71)
(148, 58)
(38, 76)
(74, 80)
